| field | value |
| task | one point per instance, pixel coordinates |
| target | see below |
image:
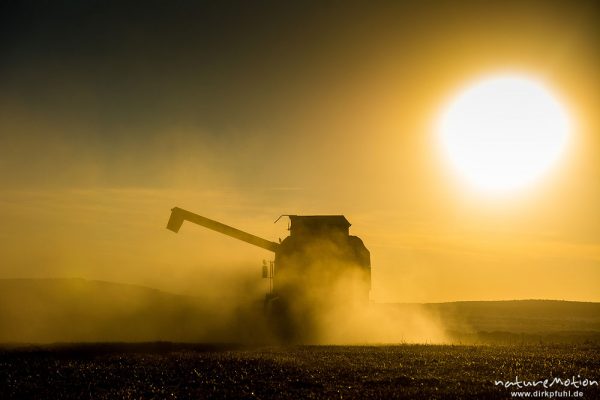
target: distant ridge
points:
(65, 310)
(531, 315)
(76, 281)
(79, 310)
(514, 321)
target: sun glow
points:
(503, 133)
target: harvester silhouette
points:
(309, 266)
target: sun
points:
(503, 133)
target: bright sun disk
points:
(503, 133)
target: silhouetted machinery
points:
(319, 264)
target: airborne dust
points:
(330, 306)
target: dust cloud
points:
(328, 302)
(372, 323)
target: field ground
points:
(193, 371)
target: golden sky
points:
(112, 114)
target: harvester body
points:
(317, 264)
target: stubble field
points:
(195, 371)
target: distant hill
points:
(524, 316)
(77, 310)
(514, 321)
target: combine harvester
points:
(319, 266)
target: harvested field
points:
(195, 371)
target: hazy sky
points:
(111, 113)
